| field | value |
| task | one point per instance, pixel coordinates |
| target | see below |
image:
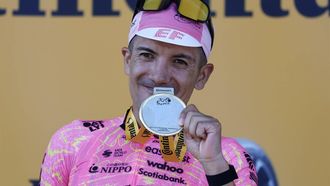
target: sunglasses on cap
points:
(196, 10)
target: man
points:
(168, 47)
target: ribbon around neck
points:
(172, 148)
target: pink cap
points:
(168, 26)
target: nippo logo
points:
(111, 168)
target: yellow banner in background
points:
(60, 60)
(231, 8)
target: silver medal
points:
(160, 112)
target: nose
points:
(160, 72)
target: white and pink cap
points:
(168, 26)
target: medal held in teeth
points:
(159, 115)
(160, 112)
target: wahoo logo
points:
(169, 34)
(164, 166)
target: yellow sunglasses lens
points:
(152, 4)
(194, 9)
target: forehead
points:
(166, 48)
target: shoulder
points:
(74, 134)
(64, 145)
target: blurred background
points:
(60, 60)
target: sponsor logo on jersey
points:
(249, 160)
(157, 152)
(253, 176)
(93, 125)
(111, 168)
(119, 153)
(131, 128)
(116, 153)
(162, 176)
(164, 166)
(107, 153)
(179, 145)
(167, 150)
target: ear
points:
(204, 74)
(127, 59)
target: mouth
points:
(148, 89)
(148, 86)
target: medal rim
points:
(146, 101)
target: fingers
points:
(196, 124)
(189, 108)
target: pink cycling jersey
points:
(97, 153)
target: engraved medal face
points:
(160, 114)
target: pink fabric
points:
(97, 153)
(173, 29)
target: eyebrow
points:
(145, 49)
(184, 56)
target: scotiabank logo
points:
(162, 176)
(111, 168)
(164, 166)
(157, 152)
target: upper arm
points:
(60, 154)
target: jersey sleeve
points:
(60, 154)
(237, 156)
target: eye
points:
(146, 56)
(180, 62)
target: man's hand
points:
(203, 139)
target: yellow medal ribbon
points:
(172, 148)
(132, 130)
